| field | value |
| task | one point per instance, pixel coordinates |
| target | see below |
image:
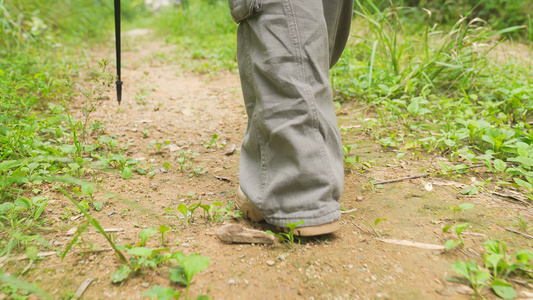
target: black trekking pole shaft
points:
(117, 41)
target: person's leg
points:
(291, 157)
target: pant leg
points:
(291, 164)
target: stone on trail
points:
(233, 233)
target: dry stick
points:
(520, 233)
(417, 176)
(403, 178)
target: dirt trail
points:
(187, 110)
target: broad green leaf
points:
(461, 268)
(500, 165)
(446, 228)
(524, 160)
(522, 183)
(167, 165)
(450, 244)
(5, 207)
(23, 202)
(121, 274)
(503, 289)
(98, 205)
(163, 228)
(177, 274)
(203, 297)
(87, 189)
(126, 172)
(481, 277)
(141, 171)
(140, 251)
(147, 233)
(162, 293)
(182, 208)
(492, 260)
(524, 256)
(193, 264)
(68, 149)
(495, 247)
(179, 256)
(9, 164)
(460, 228)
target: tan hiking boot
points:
(249, 211)
(316, 230)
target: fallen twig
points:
(403, 178)
(84, 285)
(520, 233)
(413, 244)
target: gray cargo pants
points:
(291, 164)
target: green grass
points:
(204, 33)
(440, 91)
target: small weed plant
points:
(287, 238)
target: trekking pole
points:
(117, 41)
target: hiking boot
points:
(315, 230)
(249, 211)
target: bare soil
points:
(187, 109)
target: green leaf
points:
(126, 172)
(23, 202)
(446, 228)
(503, 289)
(481, 277)
(98, 205)
(121, 274)
(140, 251)
(460, 228)
(461, 268)
(203, 297)
(377, 221)
(87, 189)
(524, 160)
(147, 233)
(177, 274)
(161, 293)
(167, 165)
(31, 252)
(182, 208)
(500, 165)
(292, 226)
(522, 183)
(141, 171)
(163, 228)
(193, 264)
(68, 149)
(450, 244)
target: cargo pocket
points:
(242, 9)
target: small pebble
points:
(359, 198)
(111, 213)
(270, 262)
(231, 281)
(145, 284)
(185, 245)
